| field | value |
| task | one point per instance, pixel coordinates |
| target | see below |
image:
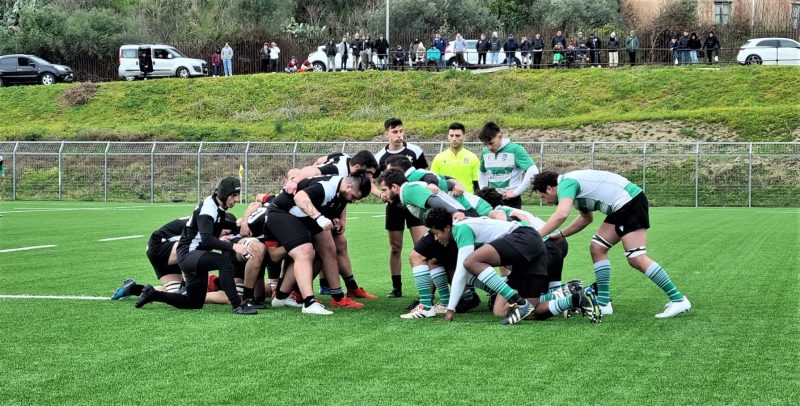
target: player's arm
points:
(580, 222)
(459, 281)
(435, 201)
(526, 180)
(205, 227)
(305, 173)
(244, 229)
(455, 187)
(558, 218)
(321, 160)
(303, 200)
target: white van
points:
(165, 61)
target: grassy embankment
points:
(757, 103)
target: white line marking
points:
(35, 247)
(352, 218)
(54, 297)
(382, 215)
(127, 237)
(74, 209)
(362, 212)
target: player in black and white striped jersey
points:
(299, 220)
(397, 218)
(195, 256)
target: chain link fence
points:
(672, 174)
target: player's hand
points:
(338, 225)
(509, 194)
(433, 188)
(556, 236)
(458, 189)
(290, 187)
(244, 230)
(384, 198)
(458, 216)
(243, 250)
(449, 315)
(324, 223)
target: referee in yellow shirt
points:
(457, 162)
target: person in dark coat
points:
(595, 45)
(537, 49)
(381, 49)
(694, 47)
(330, 52)
(510, 47)
(711, 46)
(482, 47)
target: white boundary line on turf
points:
(127, 237)
(34, 247)
(54, 297)
(132, 208)
(380, 215)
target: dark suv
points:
(31, 69)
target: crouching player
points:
(502, 243)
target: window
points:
(129, 53)
(722, 12)
(785, 43)
(23, 62)
(772, 43)
(796, 16)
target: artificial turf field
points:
(740, 344)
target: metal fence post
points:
(644, 167)
(14, 172)
(750, 177)
(541, 156)
(199, 151)
(294, 155)
(246, 169)
(153, 172)
(441, 146)
(344, 143)
(105, 172)
(60, 150)
(592, 154)
(697, 175)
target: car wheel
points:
(48, 79)
(517, 62)
(318, 67)
(453, 63)
(1, 82)
(753, 60)
(130, 78)
(182, 73)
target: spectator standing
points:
(366, 52)
(525, 51)
(537, 49)
(711, 46)
(458, 162)
(382, 49)
(399, 58)
(675, 50)
(355, 48)
(263, 55)
(460, 47)
(344, 49)
(330, 52)
(274, 55)
(440, 44)
(482, 47)
(510, 47)
(559, 39)
(216, 62)
(613, 50)
(594, 45)
(632, 45)
(694, 47)
(494, 48)
(227, 59)
(683, 47)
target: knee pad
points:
(601, 241)
(635, 252)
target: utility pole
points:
(387, 20)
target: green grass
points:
(740, 344)
(758, 103)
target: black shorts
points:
(158, 254)
(633, 216)
(556, 252)
(288, 230)
(398, 218)
(524, 250)
(528, 286)
(429, 248)
(514, 202)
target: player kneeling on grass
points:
(195, 256)
(502, 243)
(627, 220)
(162, 253)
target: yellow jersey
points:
(462, 167)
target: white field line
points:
(380, 215)
(127, 237)
(54, 297)
(35, 247)
(352, 218)
(74, 209)
(362, 212)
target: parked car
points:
(471, 56)
(20, 69)
(769, 51)
(165, 61)
(319, 60)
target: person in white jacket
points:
(227, 59)
(274, 57)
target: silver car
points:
(769, 51)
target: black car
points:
(18, 69)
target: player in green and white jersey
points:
(627, 220)
(505, 165)
(484, 243)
